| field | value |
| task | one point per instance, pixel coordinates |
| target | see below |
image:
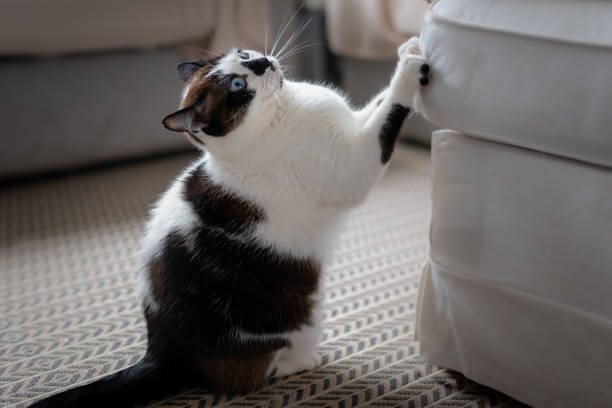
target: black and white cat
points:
(232, 256)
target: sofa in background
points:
(86, 82)
(516, 290)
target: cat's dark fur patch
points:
(217, 282)
(185, 70)
(390, 130)
(149, 379)
(223, 109)
(235, 374)
(209, 102)
(217, 207)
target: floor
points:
(69, 311)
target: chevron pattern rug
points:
(69, 311)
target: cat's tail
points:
(143, 382)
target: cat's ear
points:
(185, 70)
(188, 119)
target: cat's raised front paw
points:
(410, 47)
(412, 64)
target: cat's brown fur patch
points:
(230, 270)
(229, 212)
(223, 109)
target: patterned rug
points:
(69, 312)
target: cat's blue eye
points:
(237, 84)
(243, 54)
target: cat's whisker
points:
(299, 49)
(307, 43)
(266, 42)
(297, 46)
(275, 40)
(294, 51)
(294, 36)
(288, 72)
(284, 28)
(287, 44)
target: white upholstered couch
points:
(517, 289)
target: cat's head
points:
(219, 93)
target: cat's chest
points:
(299, 225)
(293, 220)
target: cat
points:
(233, 250)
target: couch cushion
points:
(35, 27)
(75, 121)
(516, 291)
(531, 74)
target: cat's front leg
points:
(385, 122)
(403, 86)
(380, 122)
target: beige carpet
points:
(69, 313)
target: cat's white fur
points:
(303, 156)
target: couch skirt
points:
(516, 292)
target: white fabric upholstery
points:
(516, 291)
(531, 74)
